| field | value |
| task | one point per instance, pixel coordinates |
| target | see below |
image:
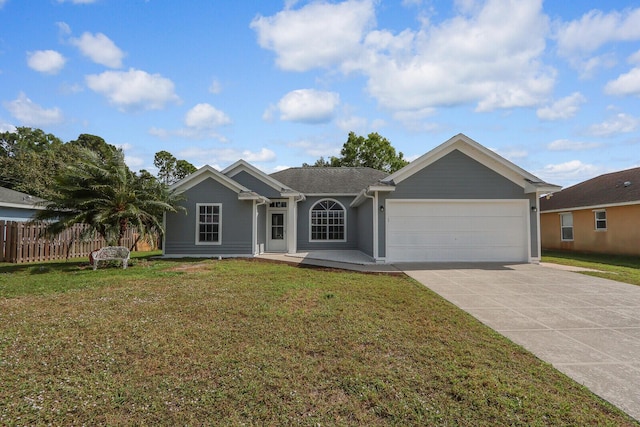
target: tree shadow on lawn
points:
(71, 265)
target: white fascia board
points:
(387, 188)
(602, 206)
(331, 194)
(252, 196)
(20, 206)
(201, 175)
(244, 166)
(542, 189)
(290, 193)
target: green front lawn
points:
(616, 267)
(239, 342)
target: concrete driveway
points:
(586, 327)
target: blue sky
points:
(553, 86)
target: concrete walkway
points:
(586, 327)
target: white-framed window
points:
(208, 224)
(327, 221)
(600, 220)
(566, 226)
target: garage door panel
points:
(457, 231)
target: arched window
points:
(327, 221)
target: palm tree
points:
(101, 191)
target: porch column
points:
(292, 225)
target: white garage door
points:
(463, 231)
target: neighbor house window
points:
(566, 226)
(327, 221)
(208, 231)
(601, 220)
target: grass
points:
(616, 267)
(239, 342)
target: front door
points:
(277, 232)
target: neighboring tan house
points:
(17, 206)
(458, 202)
(599, 215)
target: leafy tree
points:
(183, 169)
(170, 169)
(320, 163)
(374, 151)
(166, 164)
(93, 143)
(99, 189)
(29, 158)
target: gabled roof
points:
(244, 166)
(16, 199)
(529, 182)
(206, 172)
(329, 180)
(617, 188)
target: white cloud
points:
(568, 145)
(634, 58)
(29, 113)
(596, 28)
(46, 61)
(316, 148)
(308, 106)
(568, 172)
(201, 122)
(416, 121)
(490, 54)
(620, 123)
(625, 84)
(564, 108)
(491, 57)
(205, 116)
(2, 2)
(227, 155)
(64, 28)
(7, 127)
(353, 124)
(133, 89)
(320, 34)
(512, 153)
(100, 49)
(215, 87)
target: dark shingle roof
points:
(323, 180)
(611, 188)
(17, 198)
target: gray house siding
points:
(254, 184)
(236, 219)
(16, 214)
(365, 227)
(303, 241)
(457, 176)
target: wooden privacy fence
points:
(22, 242)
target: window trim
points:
(197, 235)
(595, 219)
(562, 227)
(344, 220)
